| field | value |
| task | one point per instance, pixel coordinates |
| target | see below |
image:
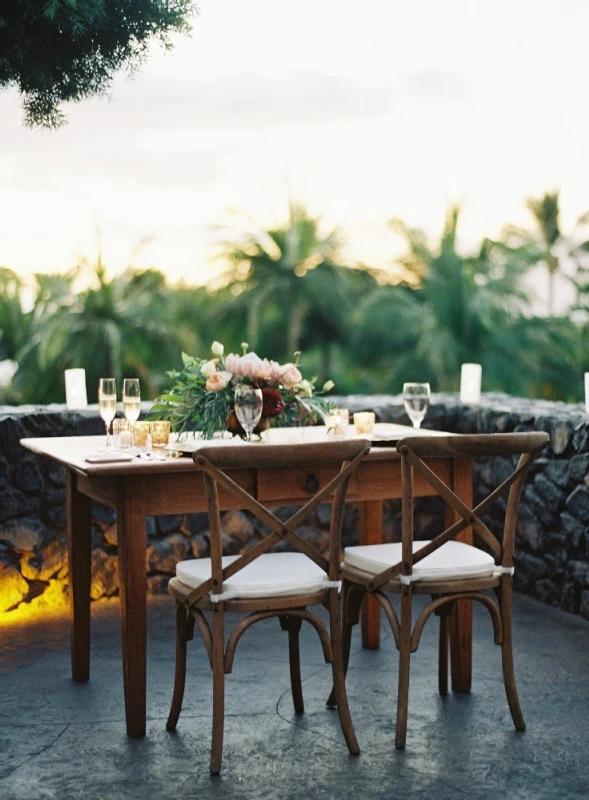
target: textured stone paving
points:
(62, 740)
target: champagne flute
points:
(248, 408)
(416, 401)
(131, 399)
(107, 402)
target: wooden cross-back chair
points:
(443, 568)
(263, 583)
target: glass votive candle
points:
(160, 433)
(340, 420)
(141, 434)
(364, 421)
(123, 433)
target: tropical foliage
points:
(453, 309)
(546, 244)
(118, 327)
(289, 288)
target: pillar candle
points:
(75, 388)
(470, 383)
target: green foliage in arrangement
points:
(290, 285)
(60, 51)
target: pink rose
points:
(218, 381)
(290, 376)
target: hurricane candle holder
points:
(470, 383)
(75, 388)
(141, 432)
(160, 434)
(364, 421)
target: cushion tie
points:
(500, 570)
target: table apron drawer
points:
(296, 484)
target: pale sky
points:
(361, 110)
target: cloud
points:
(164, 132)
(436, 85)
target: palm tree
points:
(449, 310)
(14, 321)
(288, 286)
(119, 327)
(545, 243)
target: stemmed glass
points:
(248, 408)
(131, 399)
(107, 402)
(416, 401)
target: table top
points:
(72, 451)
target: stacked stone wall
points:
(552, 544)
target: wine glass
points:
(107, 402)
(248, 408)
(131, 399)
(416, 401)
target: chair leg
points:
(218, 689)
(350, 617)
(182, 625)
(404, 664)
(339, 680)
(443, 655)
(507, 656)
(293, 626)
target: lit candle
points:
(125, 439)
(338, 421)
(587, 392)
(364, 421)
(470, 383)
(75, 388)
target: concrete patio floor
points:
(64, 740)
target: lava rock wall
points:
(552, 545)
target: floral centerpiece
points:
(201, 395)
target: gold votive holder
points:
(122, 431)
(141, 432)
(160, 433)
(364, 421)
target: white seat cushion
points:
(269, 575)
(451, 561)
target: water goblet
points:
(107, 402)
(416, 401)
(248, 408)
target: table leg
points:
(131, 518)
(461, 618)
(79, 523)
(370, 532)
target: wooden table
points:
(142, 488)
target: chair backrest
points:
(414, 449)
(345, 456)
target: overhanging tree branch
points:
(58, 51)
